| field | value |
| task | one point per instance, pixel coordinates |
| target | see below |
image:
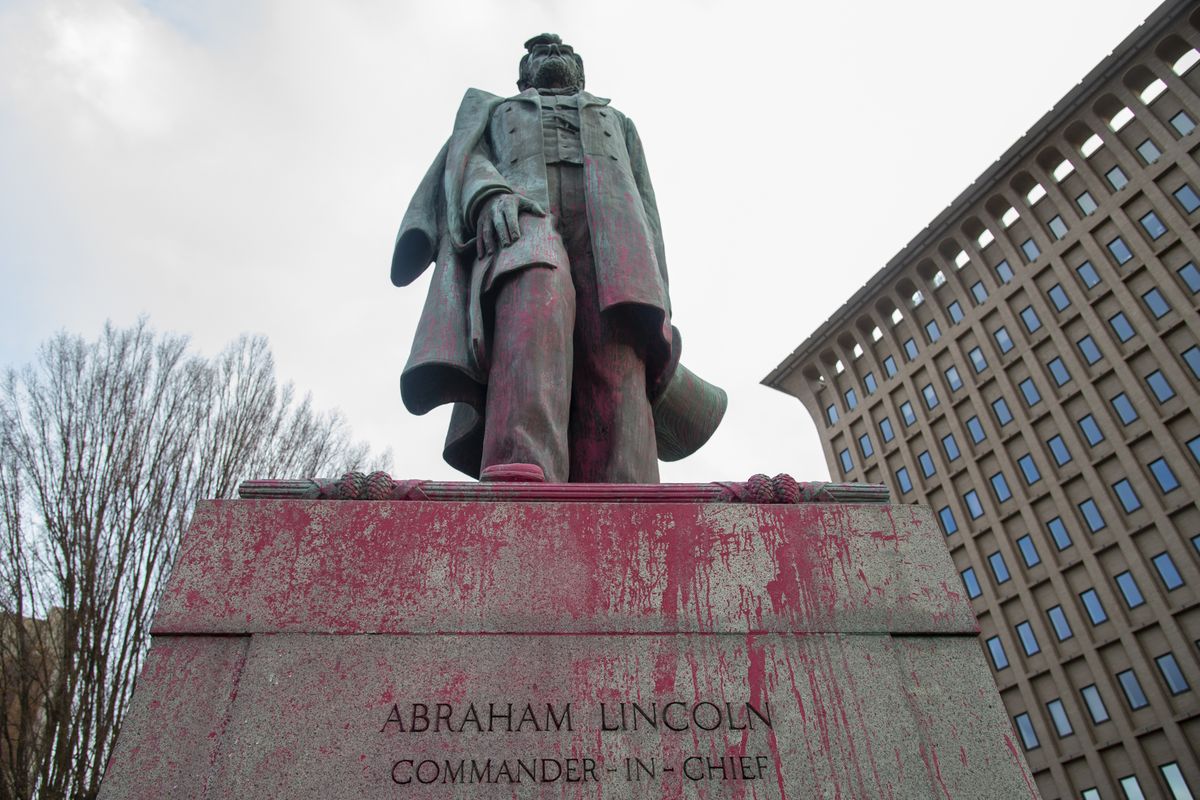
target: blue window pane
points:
(1092, 516)
(1129, 589)
(903, 480)
(975, 428)
(1029, 469)
(954, 310)
(1124, 408)
(1117, 179)
(1152, 225)
(1000, 487)
(1058, 532)
(889, 366)
(1194, 446)
(1133, 690)
(1030, 249)
(979, 292)
(1167, 571)
(1091, 431)
(1156, 303)
(1120, 251)
(1149, 151)
(950, 526)
(1191, 357)
(1187, 198)
(1058, 620)
(1058, 371)
(1131, 788)
(977, 359)
(1095, 610)
(996, 649)
(1030, 392)
(851, 399)
(933, 331)
(1086, 203)
(1087, 273)
(1171, 772)
(910, 349)
(1172, 674)
(1191, 277)
(1029, 551)
(870, 383)
(930, 395)
(885, 429)
(1058, 296)
(847, 462)
(1025, 728)
(1128, 497)
(1057, 227)
(971, 583)
(951, 447)
(1089, 349)
(1183, 123)
(1029, 642)
(1094, 703)
(1058, 715)
(1030, 318)
(864, 444)
(955, 382)
(1165, 476)
(831, 413)
(1121, 327)
(1058, 449)
(1004, 272)
(1004, 341)
(974, 507)
(1003, 415)
(926, 462)
(1159, 385)
(907, 413)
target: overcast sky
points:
(242, 166)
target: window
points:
(1025, 728)
(926, 462)
(975, 428)
(950, 446)
(864, 444)
(1163, 473)
(870, 383)
(1095, 610)
(1159, 385)
(979, 292)
(974, 507)
(1166, 571)
(999, 657)
(1086, 203)
(1058, 621)
(1124, 408)
(1058, 371)
(1000, 487)
(1029, 390)
(1000, 408)
(1087, 346)
(831, 413)
(1152, 225)
(847, 462)
(955, 312)
(1121, 327)
(1087, 273)
(1132, 689)
(1058, 715)
(1128, 497)
(889, 366)
(1029, 642)
(1149, 151)
(1029, 551)
(1194, 446)
(1094, 703)
(1156, 303)
(907, 414)
(1171, 773)
(1129, 589)
(1057, 227)
(1029, 469)
(1058, 532)
(953, 379)
(885, 429)
(1191, 356)
(999, 568)
(1187, 197)
(1131, 788)
(1058, 297)
(1183, 123)
(1003, 339)
(1116, 178)
(1030, 318)
(1120, 251)
(910, 348)
(1030, 249)
(851, 399)
(1092, 516)
(971, 583)
(933, 331)
(1058, 449)
(1171, 673)
(977, 360)
(930, 395)
(1004, 272)
(949, 525)
(903, 480)
(1091, 431)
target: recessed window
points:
(926, 462)
(1129, 589)
(831, 413)
(1094, 703)
(1025, 728)
(1058, 532)
(907, 414)
(975, 429)
(1030, 249)
(1120, 251)
(1030, 392)
(864, 444)
(1172, 674)
(1187, 197)
(1058, 297)
(1029, 469)
(977, 360)
(1156, 303)
(1089, 349)
(1093, 607)
(1124, 408)
(1132, 689)
(903, 480)
(1063, 169)
(999, 568)
(1004, 272)
(1121, 327)
(930, 395)
(1091, 145)
(1058, 715)
(870, 383)
(953, 380)
(1086, 203)
(1152, 225)
(1092, 516)
(974, 507)
(1087, 273)
(889, 366)
(1057, 227)
(1003, 340)
(847, 461)
(979, 292)
(971, 583)
(1117, 179)
(910, 348)
(1000, 487)
(950, 526)
(1160, 386)
(1029, 553)
(885, 429)
(951, 447)
(1009, 217)
(1149, 151)
(996, 650)
(1091, 430)
(851, 399)
(955, 312)
(1058, 371)
(1167, 482)
(1029, 642)
(1058, 621)
(1167, 571)
(1194, 447)
(933, 331)
(1182, 123)
(1131, 788)
(1128, 497)
(1030, 318)
(1000, 409)
(985, 238)
(1058, 449)
(1175, 781)
(1191, 357)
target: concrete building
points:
(1029, 367)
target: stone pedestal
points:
(366, 649)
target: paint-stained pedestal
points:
(347, 649)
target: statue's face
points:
(553, 66)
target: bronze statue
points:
(548, 322)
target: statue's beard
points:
(557, 73)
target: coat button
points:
(606, 133)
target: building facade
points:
(1029, 367)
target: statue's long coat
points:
(497, 145)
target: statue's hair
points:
(524, 78)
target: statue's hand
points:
(498, 222)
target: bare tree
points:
(105, 447)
